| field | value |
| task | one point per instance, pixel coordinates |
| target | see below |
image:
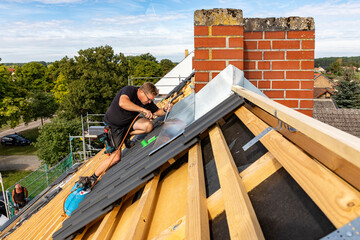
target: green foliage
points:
(94, 77)
(348, 91)
(346, 61)
(14, 109)
(42, 105)
(53, 141)
(60, 89)
(32, 77)
(166, 65)
(144, 65)
(335, 68)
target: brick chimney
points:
(276, 54)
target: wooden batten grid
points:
(332, 190)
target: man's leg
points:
(142, 125)
(113, 158)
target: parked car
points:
(15, 140)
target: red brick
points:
(209, 65)
(278, 65)
(299, 55)
(274, 94)
(299, 94)
(227, 54)
(202, 76)
(252, 55)
(274, 35)
(238, 64)
(263, 65)
(227, 30)
(214, 74)
(274, 55)
(199, 86)
(252, 74)
(250, 44)
(253, 35)
(299, 74)
(306, 103)
(307, 84)
(201, 54)
(301, 34)
(286, 44)
(285, 85)
(289, 103)
(201, 31)
(209, 42)
(307, 64)
(264, 84)
(308, 44)
(249, 65)
(236, 42)
(306, 112)
(264, 45)
(254, 83)
(274, 75)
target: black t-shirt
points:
(119, 117)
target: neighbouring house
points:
(320, 69)
(12, 70)
(323, 86)
(239, 157)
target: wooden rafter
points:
(140, 219)
(241, 217)
(337, 199)
(343, 144)
(197, 221)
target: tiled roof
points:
(347, 120)
(324, 103)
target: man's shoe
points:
(129, 143)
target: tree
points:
(42, 105)
(94, 77)
(348, 91)
(144, 65)
(60, 89)
(335, 68)
(166, 65)
(32, 77)
(53, 140)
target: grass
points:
(30, 134)
(12, 177)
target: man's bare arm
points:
(125, 103)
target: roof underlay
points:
(300, 184)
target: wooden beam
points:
(345, 145)
(107, 224)
(329, 158)
(261, 169)
(197, 221)
(339, 201)
(241, 218)
(141, 216)
(174, 232)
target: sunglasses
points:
(148, 99)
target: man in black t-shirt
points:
(127, 104)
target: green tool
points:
(144, 143)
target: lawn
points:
(11, 177)
(30, 134)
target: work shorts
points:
(117, 135)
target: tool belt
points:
(108, 140)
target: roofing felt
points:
(136, 168)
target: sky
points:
(48, 30)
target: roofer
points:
(18, 196)
(127, 104)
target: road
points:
(23, 127)
(19, 162)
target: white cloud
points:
(46, 1)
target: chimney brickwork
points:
(276, 54)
